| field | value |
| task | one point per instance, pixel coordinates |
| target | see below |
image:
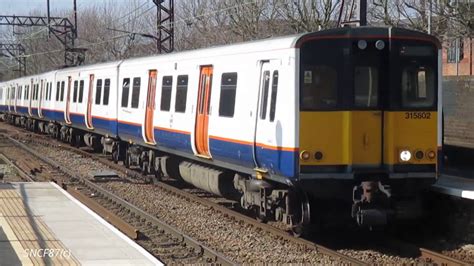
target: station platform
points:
(455, 186)
(40, 224)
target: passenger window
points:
(106, 91)
(166, 93)
(62, 90)
(135, 92)
(227, 98)
(74, 98)
(266, 86)
(98, 91)
(50, 90)
(81, 90)
(58, 85)
(366, 80)
(181, 94)
(319, 87)
(417, 86)
(125, 92)
(274, 95)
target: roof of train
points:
(275, 43)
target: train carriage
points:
(290, 126)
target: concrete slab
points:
(65, 223)
(455, 186)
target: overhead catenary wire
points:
(183, 20)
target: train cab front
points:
(369, 127)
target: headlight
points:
(405, 156)
(304, 155)
(431, 155)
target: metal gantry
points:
(17, 51)
(165, 25)
(61, 28)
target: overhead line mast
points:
(62, 28)
(165, 25)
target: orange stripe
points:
(173, 130)
(232, 140)
(277, 148)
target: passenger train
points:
(339, 123)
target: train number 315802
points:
(417, 115)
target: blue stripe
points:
(105, 126)
(279, 162)
(174, 140)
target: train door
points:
(67, 116)
(40, 98)
(267, 138)
(201, 136)
(89, 103)
(150, 108)
(366, 120)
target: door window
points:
(125, 92)
(266, 86)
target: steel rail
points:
(438, 258)
(222, 209)
(23, 174)
(200, 248)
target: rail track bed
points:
(203, 217)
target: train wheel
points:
(302, 214)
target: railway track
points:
(429, 256)
(134, 177)
(160, 239)
(137, 216)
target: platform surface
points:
(455, 186)
(40, 224)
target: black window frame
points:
(105, 99)
(228, 94)
(58, 88)
(273, 95)
(181, 93)
(63, 85)
(81, 91)
(75, 88)
(98, 91)
(166, 90)
(266, 78)
(136, 92)
(125, 94)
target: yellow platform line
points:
(23, 236)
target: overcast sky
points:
(24, 7)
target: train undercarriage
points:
(304, 206)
